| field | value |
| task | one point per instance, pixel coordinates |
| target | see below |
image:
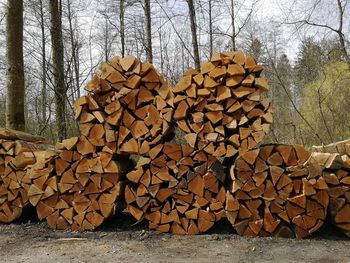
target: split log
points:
(76, 187)
(277, 190)
(221, 108)
(129, 104)
(177, 189)
(12, 135)
(16, 156)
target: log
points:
(177, 189)
(129, 104)
(277, 190)
(220, 108)
(76, 187)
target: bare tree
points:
(15, 67)
(147, 9)
(58, 68)
(192, 13)
(310, 20)
(122, 25)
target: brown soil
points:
(121, 241)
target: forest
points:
(50, 50)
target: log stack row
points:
(18, 151)
(220, 108)
(129, 104)
(177, 189)
(75, 187)
(277, 190)
(336, 161)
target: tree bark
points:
(149, 53)
(15, 67)
(58, 68)
(122, 26)
(192, 14)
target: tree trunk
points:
(210, 29)
(233, 37)
(15, 66)
(192, 14)
(122, 26)
(340, 32)
(149, 53)
(74, 47)
(58, 68)
(43, 66)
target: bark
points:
(122, 26)
(15, 67)
(192, 14)
(58, 68)
(149, 53)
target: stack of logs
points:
(177, 189)
(336, 160)
(277, 189)
(184, 188)
(18, 151)
(220, 108)
(76, 187)
(129, 104)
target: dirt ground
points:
(119, 241)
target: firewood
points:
(221, 101)
(18, 152)
(277, 190)
(76, 187)
(132, 104)
(177, 189)
(336, 174)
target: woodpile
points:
(177, 189)
(17, 152)
(220, 108)
(76, 187)
(277, 190)
(129, 104)
(336, 161)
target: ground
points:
(121, 241)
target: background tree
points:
(58, 68)
(15, 66)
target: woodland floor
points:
(119, 241)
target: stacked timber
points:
(76, 187)
(277, 190)
(17, 153)
(220, 108)
(337, 175)
(177, 188)
(129, 104)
